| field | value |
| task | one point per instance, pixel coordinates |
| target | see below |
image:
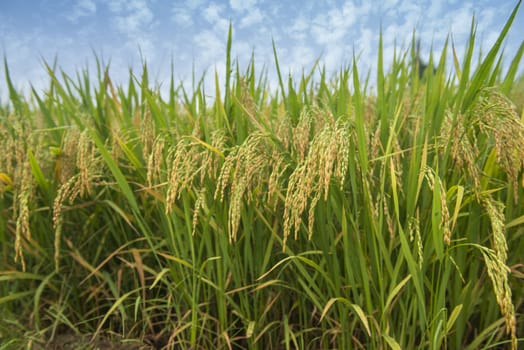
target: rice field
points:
(320, 215)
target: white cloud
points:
(303, 56)
(242, 5)
(367, 40)
(254, 16)
(132, 16)
(362, 12)
(211, 47)
(26, 50)
(82, 8)
(212, 12)
(329, 29)
(299, 28)
(300, 24)
(334, 58)
(213, 15)
(435, 10)
(274, 8)
(133, 19)
(198, 29)
(194, 4)
(182, 16)
(459, 22)
(389, 4)
(184, 12)
(409, 14)
(116, 5)
(486, 17)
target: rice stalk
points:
(183, 168)
(155, 161)
(283, 128)
(246, 99)
(211, 160)
(497, 117)
(24, 197)
(445, 218)
(301, 134)
(245, 168)
(147, 133)
(279, 167)
(66, 157)
(463, 147)
(200, 201)
(16, 170)
(67, 192)
(327, 158)
(414, 227)
(87, 163)
(498, 274)
(190, 160)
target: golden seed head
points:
(147, 133)
(245, 168)
(189, 162)
(327, 158)
(155, 161)
(88, 164)
(200, 201)
(498, 274)
(23, 227)
(463, 150)
(497, 118)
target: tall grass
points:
(318, 217)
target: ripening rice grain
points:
(463, 147)
(67, 192)
(87, 163)
(497, 116)
(445, 220)
(201, 198)
(183, 166)
(244, 169)
(155, 161)
(190, 160)
(498, 273)
(327, 157)
(147, 133)
(23, 227)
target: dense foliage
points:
(319, 216)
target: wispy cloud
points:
(210, 46)
(184, 12)
(131, 16)
(195, 32)
(182, 16)
(194, 4)
(299, 28)
(303, 56)
(254, 16)
(213, 14)
(331, 27)
(82, 8)
(242, 5)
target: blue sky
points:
(193, 33)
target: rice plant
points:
(323, 215)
